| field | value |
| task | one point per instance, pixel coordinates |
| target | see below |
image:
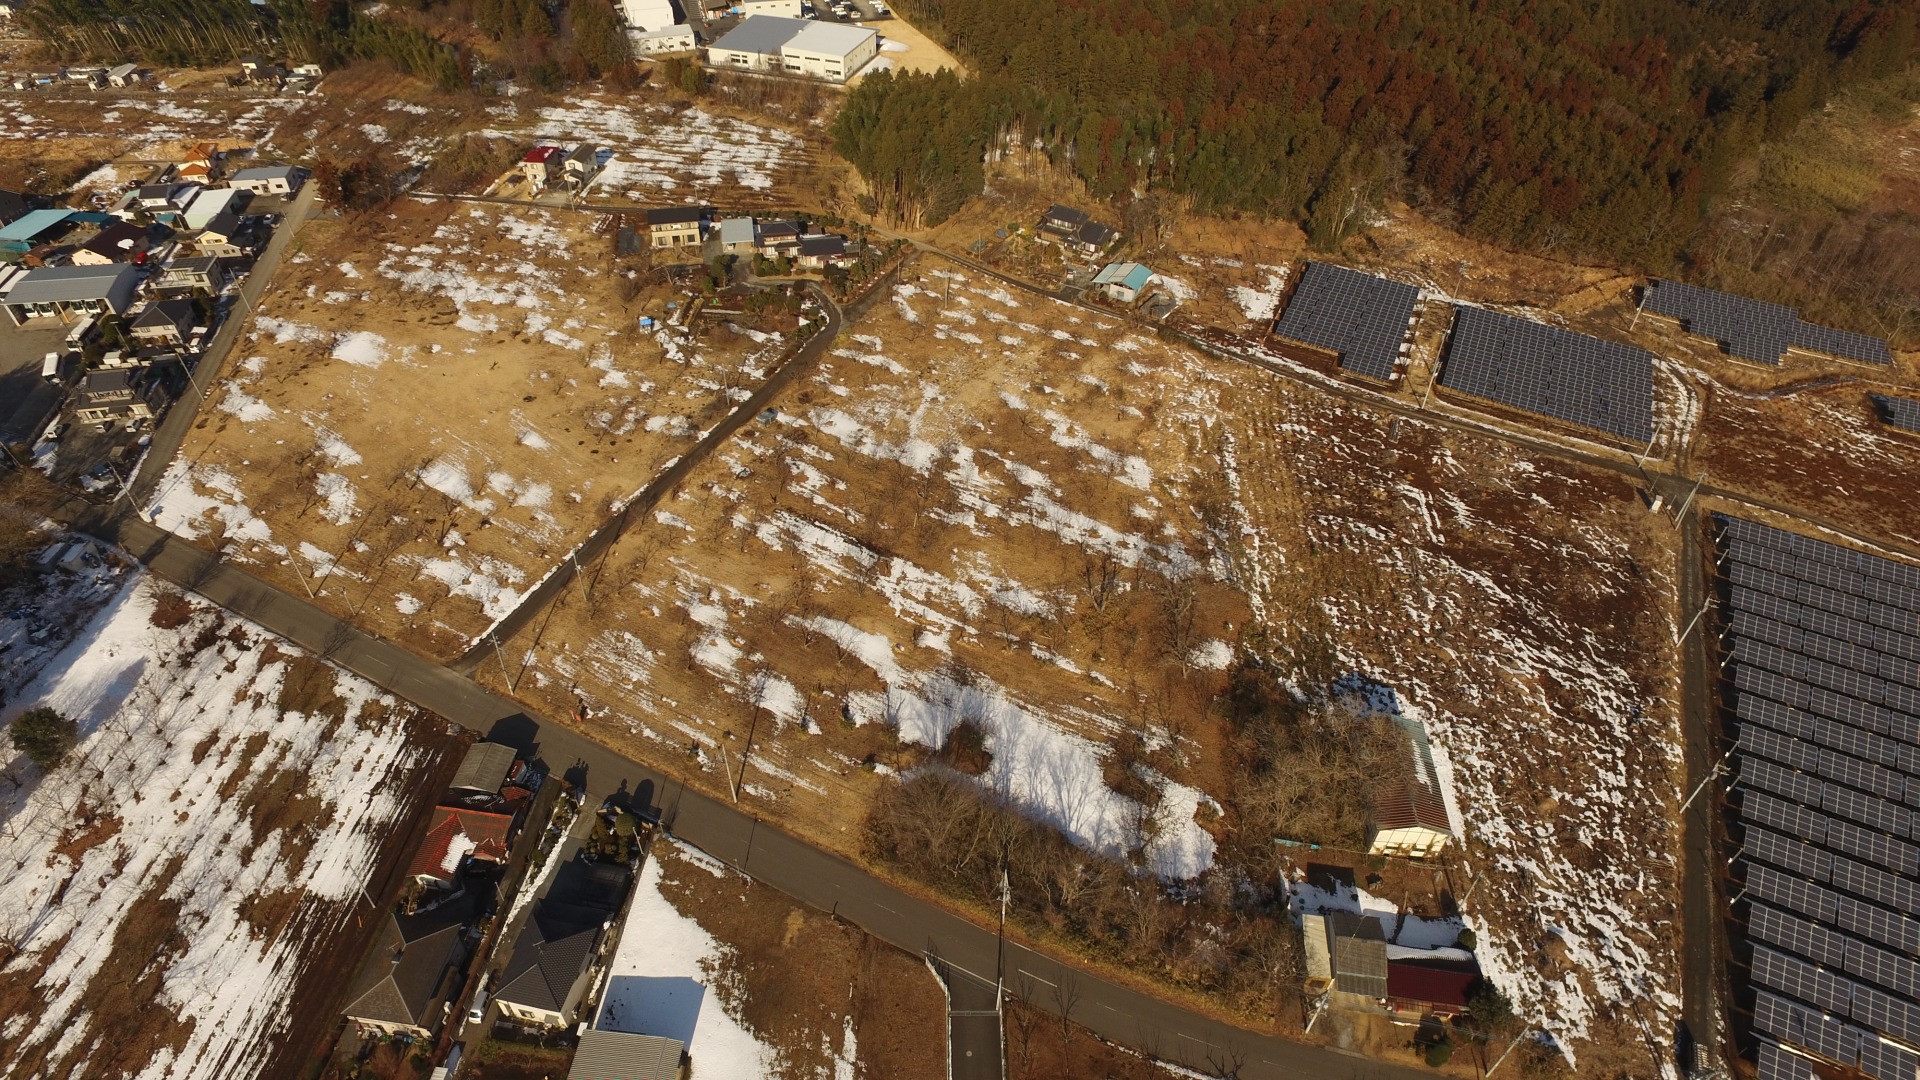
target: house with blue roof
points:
(1123, 282)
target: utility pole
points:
(1711, 775)
(1006, 895)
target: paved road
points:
(213, 364)
(642, 504)
(758, 848)
(976, 1047)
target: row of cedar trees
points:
(545, 44)
(1601, 128)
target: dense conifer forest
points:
(1600, 129)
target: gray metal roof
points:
(832, 39)
(619, 1055)
(68, 284)
(484, 768)
(266, 172)
(763, 34)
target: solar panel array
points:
(1582, 380)
(1903, 413)
(1823, 648)
(1359, 317)
(1756, 330)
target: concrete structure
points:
(270, 179)
(801, 47)
(1409, 812)
(667, 39)
(1122, 282)
(618, 1055)
(678, 226)
(649, 14)
(785, 8)
(64, 292)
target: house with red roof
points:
(1436, 989)
(541, 163)
(1409, 810)
(455, 836)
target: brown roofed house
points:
(455, 836)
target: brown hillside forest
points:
(1655, 134)
(1610, 130)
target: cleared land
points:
(420, 425)
(1006, 511)
(182, 891)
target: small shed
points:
(484, 769)
(621, 1055)
(737, 236)
(1409, 817)
(1122, 282)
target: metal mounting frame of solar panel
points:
(1898, 412)
(1601, 385)
(1362, 318)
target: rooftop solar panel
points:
(1903, 413)
(1540, 369)
(1361, 318)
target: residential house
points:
(120, 242)
(67, 291)
(668, 39)
(214, 202)
(255, 69)
(126, 75)
(1353, 949)
(1122, 282)
(776, 238)
(202, 165)
(677, 226)
(308, 71)
(270, 179)
(166, 201)
(165, 322)
(1060, 222)
(228, 235)
(415, 971)
(560, 947)
(129, 394)
(455, 836)
(1092, 239)
(736, 236)
(620, 1055)
(200, 272)
(92, 78)
(818, 252)
(541, 165)
(1409, 813)
(578, 167)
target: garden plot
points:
(423, 421)
(1008, 512)
(194, 871)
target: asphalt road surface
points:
(976, 1049)
(737, 836)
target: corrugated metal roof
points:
(618, 1055)
(33, 223)
(484, 768)
(831, 39)
(764, 34)
(66, 284)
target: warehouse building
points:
(802, 47)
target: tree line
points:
(1607, 128)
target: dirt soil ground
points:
(941, 525)
(802, 980)
(434, 406)
(920, 52)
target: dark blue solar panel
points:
(1903, 413)
(1756, 330)
(1540, 369)
(1361, 318)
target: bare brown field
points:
(1002, 510)
(433, 406)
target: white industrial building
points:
(781, 46)
(672, 39)
(787, 8)
(649, 14)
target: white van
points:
(50, 367)
(478, 1013)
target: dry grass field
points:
(432, 407)
(1004, 511)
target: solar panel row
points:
(1778, 1064)
(1361, 318)
(1903, 413)
(1756, 330)
(1763, 699)
(1818, 551)
(1601, 385)
(1868, 658)
(1888, 640)
(1805, 1026)
(1885, 1061)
